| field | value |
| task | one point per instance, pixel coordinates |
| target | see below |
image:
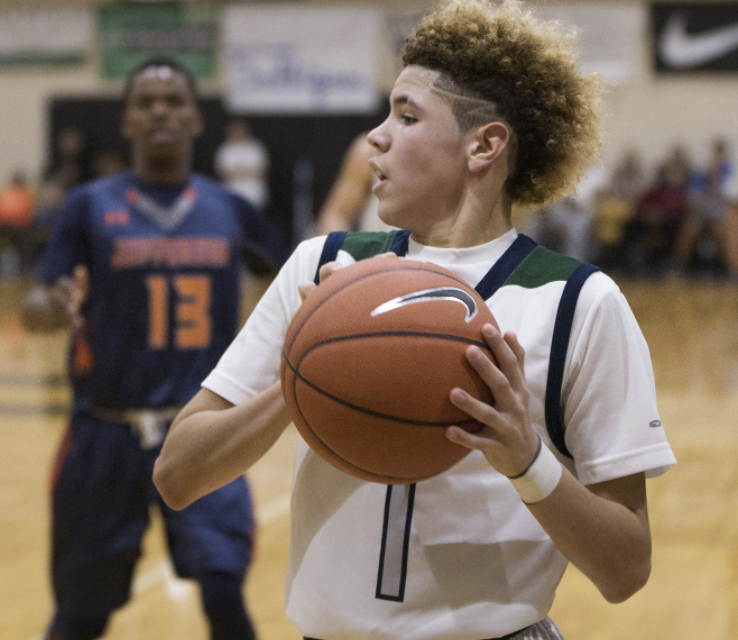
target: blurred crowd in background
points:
(674, 219)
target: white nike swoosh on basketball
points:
(680, 49)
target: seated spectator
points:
(17, 206)
(628, 181)
(17, 203)
(679, 165)
(650, 235)
(731, 227)
(615, 207)
(566, 225)
(68, 168)
(702, 237)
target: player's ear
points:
(487, 144)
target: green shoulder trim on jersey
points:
(541, 267)
(366, 244)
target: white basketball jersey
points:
(458, 556)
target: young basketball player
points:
(489, 112)
(144, 266)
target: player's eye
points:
(407, 118)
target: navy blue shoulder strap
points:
(330, 250)
(510, 260)
(559, 346)
(335, 239)
(488, 286)
(399, 242)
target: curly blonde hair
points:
(526, 69)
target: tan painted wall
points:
(647, 113)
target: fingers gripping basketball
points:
(368, 363)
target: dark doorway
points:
(309, 148)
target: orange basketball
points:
(369, 361)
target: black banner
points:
(695, 37)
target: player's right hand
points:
(68, 294)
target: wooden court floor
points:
(692, 330)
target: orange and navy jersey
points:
(163, 301)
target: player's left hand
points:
(506, 438)
(306, 288)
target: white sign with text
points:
(45, 35)
(288, 59)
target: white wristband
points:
(540, 479)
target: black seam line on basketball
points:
(369, 412)
(453, 277)
(377, 476)
(396, 334)
(382, 334)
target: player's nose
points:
(379, 138)
(159, 108)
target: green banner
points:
(131, 33)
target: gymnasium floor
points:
(693, 591)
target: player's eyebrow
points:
(404, 99)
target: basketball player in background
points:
(144, 268)
(351, 205)
(488, 113)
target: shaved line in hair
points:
(469, 110)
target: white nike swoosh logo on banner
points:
(680, 49)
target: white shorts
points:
(543, 630)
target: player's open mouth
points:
(162, 135)
(381, 177)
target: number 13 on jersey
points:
(188, 298)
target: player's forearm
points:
(207, 449)
(607, 541)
